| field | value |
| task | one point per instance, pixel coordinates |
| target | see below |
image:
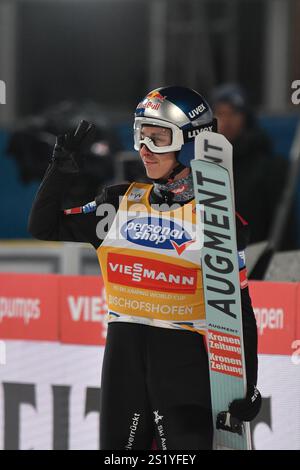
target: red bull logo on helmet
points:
(155, 95)
(153, 101)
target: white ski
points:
(214, 192)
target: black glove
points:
(245, 409)
(226, 422)
(68, 146)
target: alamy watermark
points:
(295, 358)
(2, 92)
(296, 94)
(141, 225)
(2, 353)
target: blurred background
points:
(66, 60)
(62, 60)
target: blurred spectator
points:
(259, 175)
(32, 143)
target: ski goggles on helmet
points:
(178, 138)
(175, 143)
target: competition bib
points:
(150, 264)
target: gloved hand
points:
(68, 146)
(245, 409)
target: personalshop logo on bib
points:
(157, 233)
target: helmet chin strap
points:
(178, 169)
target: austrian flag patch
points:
(243, 278)
(243, 270)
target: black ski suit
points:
(155, 381)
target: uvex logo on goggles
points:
(156, 233)
(192, 133)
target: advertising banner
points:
(52, 337)
(274, 305)
(82, 307)
(29, 307)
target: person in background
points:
(259, 176)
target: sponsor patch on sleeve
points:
(242, 259)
